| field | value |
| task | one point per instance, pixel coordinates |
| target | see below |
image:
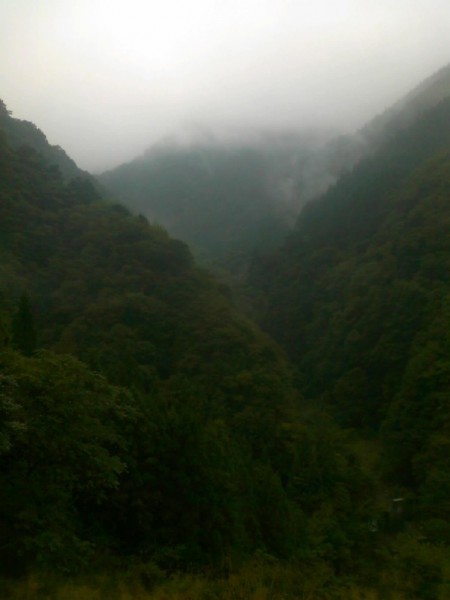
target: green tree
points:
(23, 327)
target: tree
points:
(4, 112)
(23, 327)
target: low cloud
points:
(106, 79)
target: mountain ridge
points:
(147, 425)
(205, 193)
(25, 133)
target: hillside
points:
(24, 133)
(144, 421)
(151, 432)
(359, 295)
(227, 199)
(425, 96)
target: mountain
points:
(232, 199)
(322, 168)
(143, 419)
(227, 199)
(425, 96)
(150, 432)
(358, 295)
(24, 133)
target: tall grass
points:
(255, 581)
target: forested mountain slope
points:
(425, 96)
(142, 417)
(24, 133)
(340, 155)
(224, 199)
(359, 297)
(144, 421)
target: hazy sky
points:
(107, 78)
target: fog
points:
(105, 79)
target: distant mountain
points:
(225, 199)
(229, 200)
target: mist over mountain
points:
(343, 152)
(232, 197)
(154, 441)
(107, 81)
(426, 95)
(226, 198)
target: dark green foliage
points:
(359, 297)
(66, 444)
(156, 424)
(23, 327)
(172, 440)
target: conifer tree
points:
(23, 327)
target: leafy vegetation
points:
(142, 417)
(150, 432)
(359, 297)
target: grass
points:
(257, 580)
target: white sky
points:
(107, 78)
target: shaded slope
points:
(336, 233)
(219, 199)
(359, 297)
(145, 417)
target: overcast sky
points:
(107, 78)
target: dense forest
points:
(358, 296)
(155, 443)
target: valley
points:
(157, 442)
